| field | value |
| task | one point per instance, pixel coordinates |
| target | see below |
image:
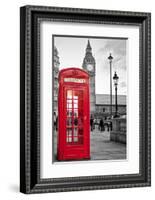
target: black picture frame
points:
(30, 181)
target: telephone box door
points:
(75, 118)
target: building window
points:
(103, 109)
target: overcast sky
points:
(72, 51)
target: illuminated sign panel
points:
(74, 80)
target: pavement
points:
(102, 148)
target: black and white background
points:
(78, 51)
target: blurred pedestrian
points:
(101, 124)
(55, 120)
(56, 123)
(91, 122)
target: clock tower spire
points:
(89, 66)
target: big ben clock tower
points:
(89, 66)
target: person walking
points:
(101, 124)
(55, 121)
(91, 122)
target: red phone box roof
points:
(74, 75)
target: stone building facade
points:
(55, 77)
(103, 105)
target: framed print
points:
(85, 93)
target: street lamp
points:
(110, 58)
(115, 78)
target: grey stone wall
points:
(118, 133)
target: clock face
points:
(90, 67)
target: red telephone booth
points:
(73, 115)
